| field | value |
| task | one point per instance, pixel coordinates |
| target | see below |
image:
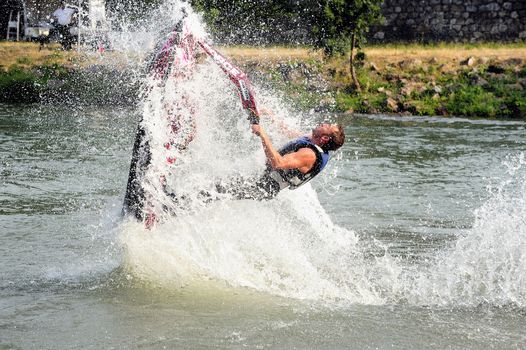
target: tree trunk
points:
(355, 81)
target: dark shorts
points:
(262, 188)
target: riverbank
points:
(30, 74)
(486, 81)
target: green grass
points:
(422, 79)
(473, 101)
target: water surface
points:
(428, 248)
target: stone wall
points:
(452, 20)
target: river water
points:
(415, 237)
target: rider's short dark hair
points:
(337, 139)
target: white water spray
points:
(488, 264)
(289, 246)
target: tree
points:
(252, 21)
(340, 25)
(130, 9)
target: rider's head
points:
(329, 137)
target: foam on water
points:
(287, 247)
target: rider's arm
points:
(303, 159)
(281, 124)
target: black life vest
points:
(293, 178)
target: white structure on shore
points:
(97, 14)
(91, 13)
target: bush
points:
(18, 86)
(473, 101)
(345, 102)
(426, 106)
(515, 106)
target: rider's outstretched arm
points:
(303, 159)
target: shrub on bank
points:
(481, 87)
(56, 84)
(472, 101)
(417, 83)
(18, 86)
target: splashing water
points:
(289, 246)
(488, 264)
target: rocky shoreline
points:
(485, 87)
(424, 82)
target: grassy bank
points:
(24, 69)
(448, 79)
(30, 74)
